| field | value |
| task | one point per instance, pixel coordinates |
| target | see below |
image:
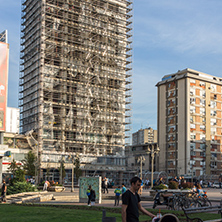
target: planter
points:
(153, 192)
(56, 188)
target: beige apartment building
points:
(190, 123)
(142, 136)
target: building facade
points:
(143, 136)
(75, 80)
(190, 123)
(12, 120)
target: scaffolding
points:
(75, 74)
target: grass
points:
(45, 213)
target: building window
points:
(202, 146)
(213, 112)
(213, 122)
(213, 104)
(202, 127)
(192, 136)
(192, 92)
(202, 83)
(192, 145)
(202, 102)
(213, 87)
(202, 111)
(192, 100)
(192, 109)
(192, 126)
(202, 93)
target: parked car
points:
(215, 185)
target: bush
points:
(173, 185)
(187, 185)
(160, 187)
(20, 187)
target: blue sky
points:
(169, 35)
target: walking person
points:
(106, 185)
(45, 185)
(117, 192)
(88, 193)
(93, 197)
(131, 203)
(4, 189)
(123, 188)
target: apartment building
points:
(75, 80)
(190, 123)
(143, 136)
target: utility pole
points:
(152, 152)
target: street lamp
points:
(152, 152)
(72, 189)
(141, 159)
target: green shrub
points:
(160, 187)
(20, 187)
(173, 185)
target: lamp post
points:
(141, 159)
(72, 158)
(152, 152)
(72, 189)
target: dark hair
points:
(123, 184)
(135, 179)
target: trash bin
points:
(169, 218)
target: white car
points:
(215, 185)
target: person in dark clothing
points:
(131, 203)
(88, 193)
(93, 197)
(4, 189)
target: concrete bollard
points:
(107, 219)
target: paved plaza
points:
(71, 198)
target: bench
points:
(199, 210)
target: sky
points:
(168, 35)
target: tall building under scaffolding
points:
(75, 80)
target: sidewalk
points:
(72, 198)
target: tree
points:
(62, 168)
(13, 167)
(78, 171)
(19, 175)
(28, 164)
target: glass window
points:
(202, 110)
(213, 104)
(192, 145)
(202, 93)
(192, 92)
(192, 126)
(192, 109)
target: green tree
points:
(28, 164)
(12, 167)
(63, 170)
(19, 175)
(78, 171)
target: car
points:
(215, 185)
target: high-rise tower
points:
(190, 123)
(75, 85)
